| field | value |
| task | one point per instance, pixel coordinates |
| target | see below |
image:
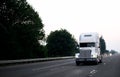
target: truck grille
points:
(85, 53)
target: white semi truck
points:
(89, 49)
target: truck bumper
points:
(86, 60)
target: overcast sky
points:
(79, 16)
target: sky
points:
(81, 16)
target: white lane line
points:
(48, 67)
(92, 73)
(104, 63)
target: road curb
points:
(11, 62)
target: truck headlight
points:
(77, 55)
(94, 56)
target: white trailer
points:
(89, 49)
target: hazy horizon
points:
(79, 16)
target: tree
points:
(102, 45)
(113, 52)
(20, 30)
(61, 43)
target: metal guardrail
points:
(7, 62)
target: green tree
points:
(102, 45)
(61, 43)
(113, 52)
(20, 30)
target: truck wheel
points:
(77, 63)
(100, 61)
(96, 62)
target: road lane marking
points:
(104, 63)
(92, 73)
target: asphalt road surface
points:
(64, 68)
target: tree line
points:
(21, 29)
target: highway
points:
(64, 68)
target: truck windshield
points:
(87, 44)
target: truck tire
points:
(100, 61)
(96, 62)
(77, 63)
